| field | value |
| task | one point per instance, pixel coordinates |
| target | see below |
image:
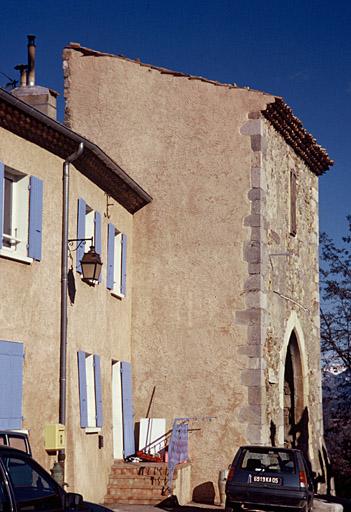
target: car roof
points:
(12, 451)
(13, 433)
(267, 447)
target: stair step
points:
(134, 493)
(138, 470)
(127, 483)
(137, 483)
(131, 501)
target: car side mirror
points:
(73, 501)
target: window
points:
(293, 191)
(88, 226)
(5, 502)
(11, 382)
(273, 460)
(90, 396)
(116, 261)
(33, 489)
(21, 201)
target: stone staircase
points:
(137, 483)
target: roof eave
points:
(302, 142)
(34, 126)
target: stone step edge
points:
(135, 485)
(137, 477)
(126, 465)
(133, 501)
(138, 473)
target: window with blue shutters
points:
(90, 394)
(88, 226)
(11, 384)
(116, 261)
(21, 211)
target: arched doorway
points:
(294, 412)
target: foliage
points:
(336, 299)
(337, 427)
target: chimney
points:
(41, 98)
(31, 60)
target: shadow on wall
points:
(299, 433)
(204, 493)
(273, 433)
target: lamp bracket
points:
(108, 205)
(79, 242)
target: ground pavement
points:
(319, 506)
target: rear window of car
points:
(18, 442)
(276, 461)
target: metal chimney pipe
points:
(31, 60)
(22, 68)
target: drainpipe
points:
(64, 272)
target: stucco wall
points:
(97, 322)
(181, 140)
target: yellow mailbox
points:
(54, 437)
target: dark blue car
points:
(26, 486)
(269, 478)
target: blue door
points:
(127, 409)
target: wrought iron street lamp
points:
(91, 266)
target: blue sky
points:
(298, 49)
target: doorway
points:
(293, 394)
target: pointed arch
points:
(293, 346)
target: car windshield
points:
(276, 461)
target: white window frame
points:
(89, 226)
(117, 265)
(15, 241)
(91, 395)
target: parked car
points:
(269, 478)
(15, 439)
(25, 485)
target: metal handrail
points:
(159, 441)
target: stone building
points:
(225, 303)
(103, 200)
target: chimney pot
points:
(22, 68)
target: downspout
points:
(64, 272)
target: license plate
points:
(261, 479)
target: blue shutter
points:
(83, 403)
(11, 383)
(98, 393)
(127, 410)
(2, 174)
(110, 256)
(80, 232)
(35, 218)
(97, 236)
(124, 265)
